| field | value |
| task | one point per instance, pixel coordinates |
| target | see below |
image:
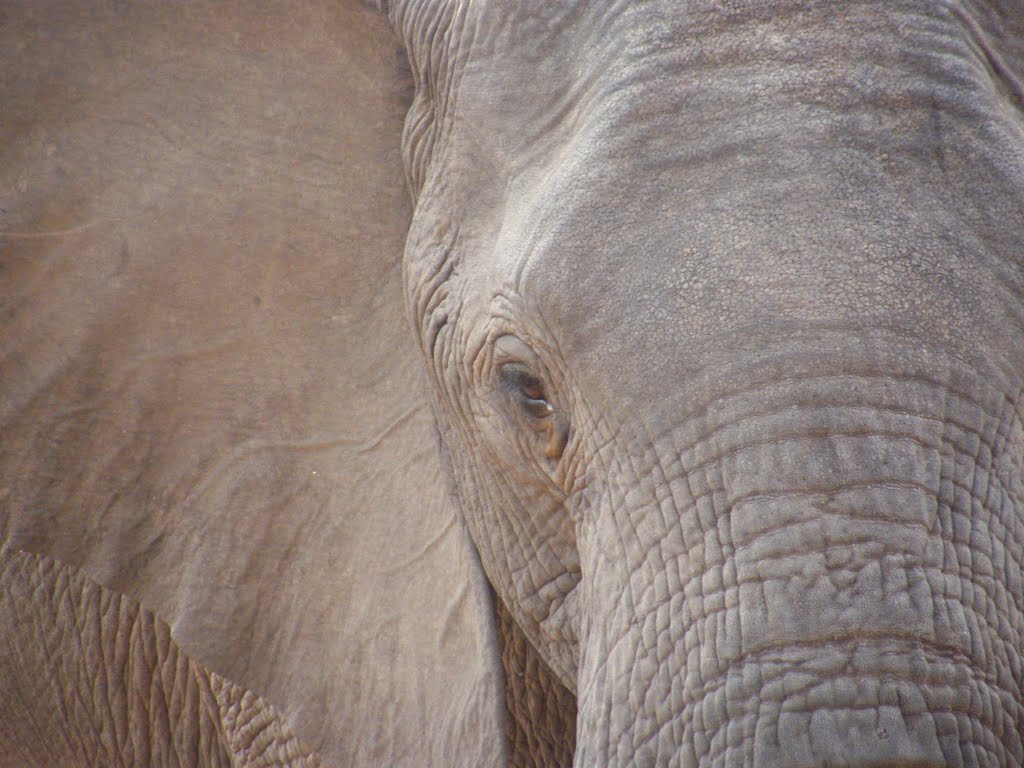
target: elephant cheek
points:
(803, 601)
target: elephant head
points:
(722, 310)
(715, 373)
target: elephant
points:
(436, 383)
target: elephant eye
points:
(527, 390)
(524, 386)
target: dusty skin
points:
(530, 384)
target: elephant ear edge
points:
(211, 400)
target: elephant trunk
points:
(795, 580)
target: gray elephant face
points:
(723, 341)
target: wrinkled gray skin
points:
(722, 311)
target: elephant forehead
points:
(691, 176)
(647, 272)
(519, 82)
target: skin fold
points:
(684, 430)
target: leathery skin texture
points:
(541, 725)
(801, 588)
(685, 429)
(127, 693)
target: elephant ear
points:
(211, 407)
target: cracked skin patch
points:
(150, 703)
